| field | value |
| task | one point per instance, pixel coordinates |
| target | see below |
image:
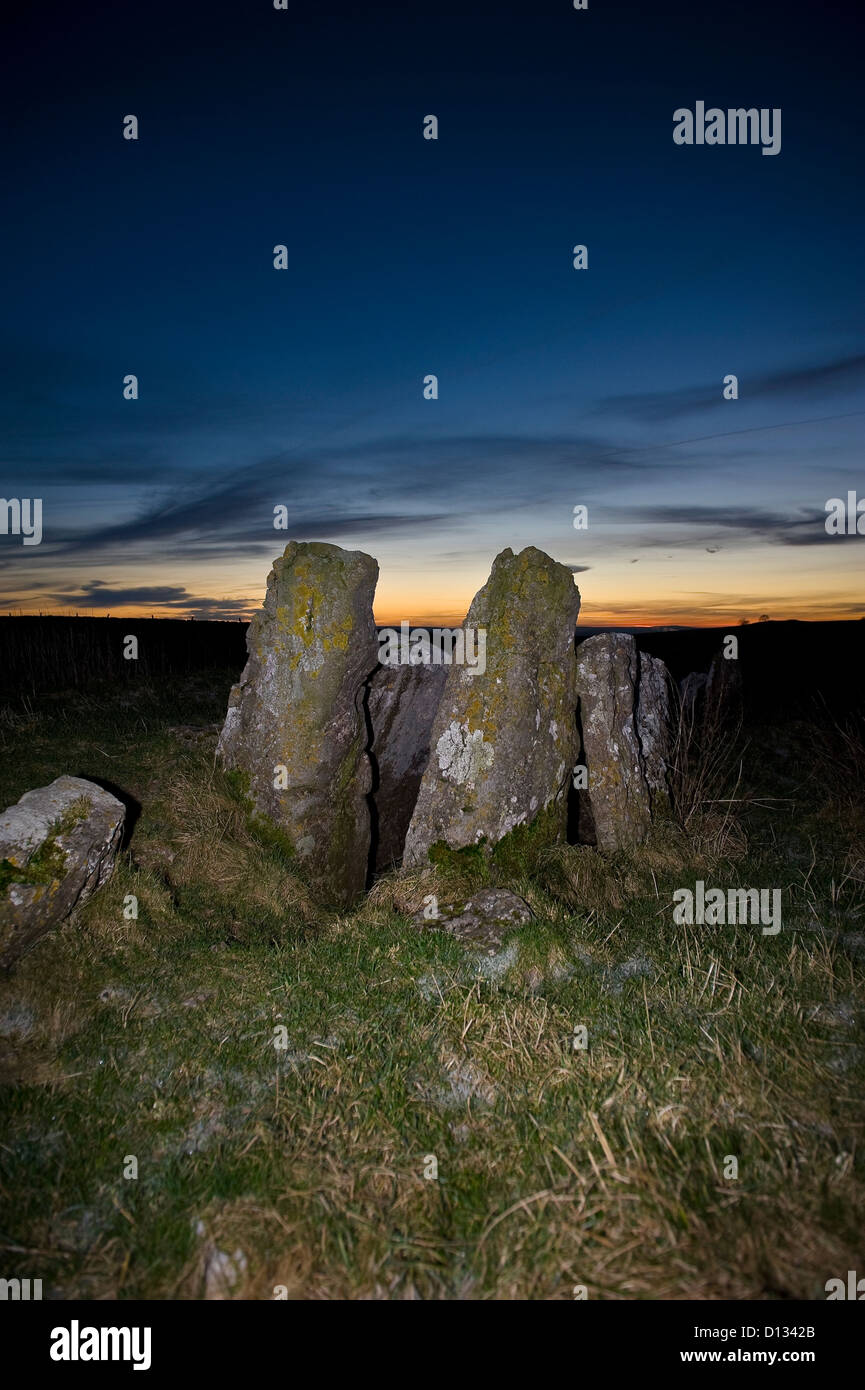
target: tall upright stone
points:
(296, 726)
(504, 739)
(724, 707)
(618, 793)
(692, 699)
(653, 728)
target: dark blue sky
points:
(557, 387)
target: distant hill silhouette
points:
(788, 667)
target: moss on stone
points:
(268, 834)
(238, 782)
(519, 849)
(310, 648)
(48, 864)
(470, 856)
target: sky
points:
(303, 388)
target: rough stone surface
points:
(299, 706)
(653, 727)
(402, 705)
(485, 920)
(504, 741)
(57, 847)
(692, 695)
(723, 692)
(618, 793)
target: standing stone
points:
(296, 726)
(653, 727)
(504, 740)
(402, 706)
(57, 847)
(692, 696)
(618, 793)
(723, 693)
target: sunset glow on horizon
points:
(301, 381)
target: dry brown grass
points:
(705, 769)
(557, 1168)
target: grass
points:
(301, 1168)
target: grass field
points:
(305, 1168)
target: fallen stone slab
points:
(57, 847)
(296, 727)
(504, 739)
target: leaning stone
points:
(296, 728)
(485, 920)
(653, 728)
(504, 740)
(402, 705)
(57, 847)
(617, 793)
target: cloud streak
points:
(744, 522)
(95, 593)
(812, 382)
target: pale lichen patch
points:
(463, 756)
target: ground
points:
(287, 1080)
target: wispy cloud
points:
(745, 522)
(95, 593)
(366, 490)
(810, 382)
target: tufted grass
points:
(558, 1166)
